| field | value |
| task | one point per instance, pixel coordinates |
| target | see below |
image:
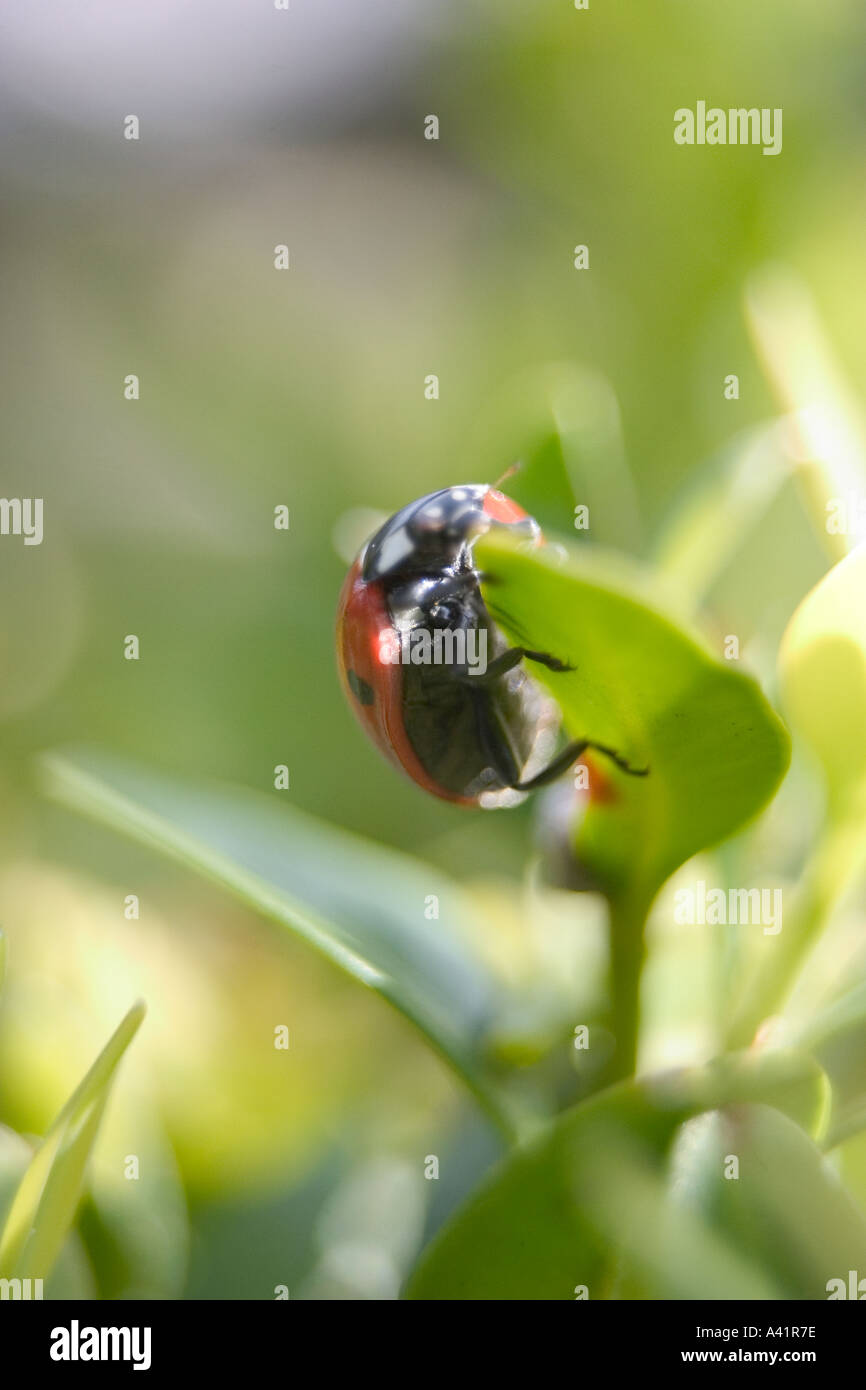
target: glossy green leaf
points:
(361, 906)
(715, 750)
(554, 1214)
(47, 1198)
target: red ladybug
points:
(429, 675)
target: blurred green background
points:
(306, 388)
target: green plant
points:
(47, 1197)
(584, 1198)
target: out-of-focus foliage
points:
(823, 663)
(569, 1206)
(362, 907)
(410, 257)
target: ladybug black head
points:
(432, 534)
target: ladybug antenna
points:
(509, 472)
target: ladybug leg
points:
(499, 666)
(570, 754)
(552, 663)
(506, 661)
(497, 749)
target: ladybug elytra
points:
(430, 677)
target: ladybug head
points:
(435, 532)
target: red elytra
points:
(374, 691)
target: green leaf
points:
(136, 1233)
(822, 669)
(541, 483)
(725, 500)
(789, 1080)
(837, 1038)
(560, 422)
(359, 905)
(71, 1276)
(546, 1219)
(715, 749)
(47, 1198)
(822, 664)
(15, 1154)
(822, 416)
(786, 1210)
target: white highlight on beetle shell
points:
(395, 548)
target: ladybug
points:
(430, 677)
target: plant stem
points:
(627, 956)
(836, 862)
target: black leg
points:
(494, 744)
(500, 666)
(545, 659)
(562, 762)
(506, 661)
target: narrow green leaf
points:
(47, 1199)
(359, 905)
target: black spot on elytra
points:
(360, 689)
